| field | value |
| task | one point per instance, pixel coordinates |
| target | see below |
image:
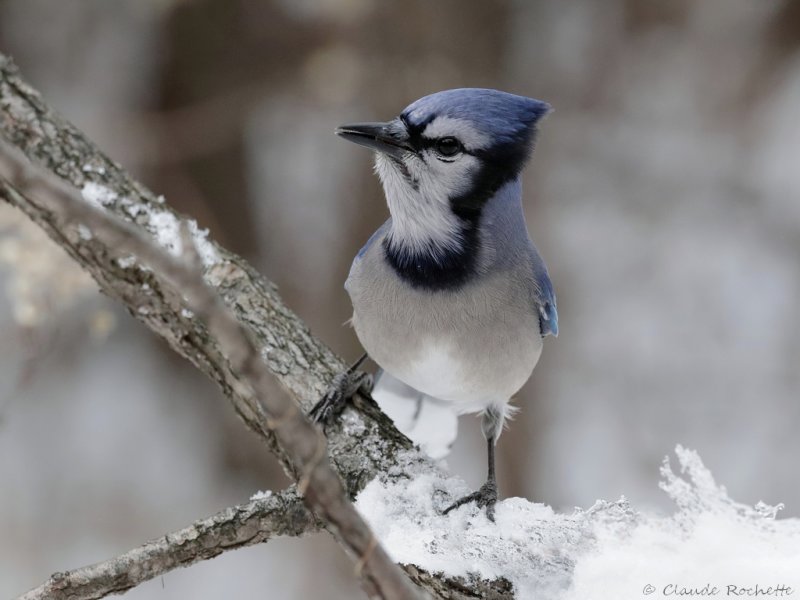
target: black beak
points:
(388, 138)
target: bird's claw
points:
(486, 497)
(345, 385)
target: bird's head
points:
(445, 156)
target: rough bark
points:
(360, 446)
(236, 527)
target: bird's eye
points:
(448, 147)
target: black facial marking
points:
(440, 270)
(489, 178)
(415, 130)
(401, 166)
(499, 164)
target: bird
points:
(451, 298)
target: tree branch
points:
(302, 444)
(362, 445)
(236, 527)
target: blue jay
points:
(450, 296)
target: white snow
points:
(711, 541)
(132, 208)
(97, 194)
(126, 261)
(84, 232)
(90, 168)
(166, 229)
(163, 224)
(609, 551)
(261, 495)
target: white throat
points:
(422, 221)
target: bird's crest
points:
(501, 117)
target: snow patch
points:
(166, 229)
(132, 208)
(609, 551)
(164, 224)
(265, 495)
(84, 232)
(90, 168)
(97, 194)
(712, 542)
(126, 261)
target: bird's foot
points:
(345, 385)
(486, 497)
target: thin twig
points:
(235, 527)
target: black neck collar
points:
(437, 269)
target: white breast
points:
(469, 383)
(436, 372)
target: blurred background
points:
(664, 194)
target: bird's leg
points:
(487, 494)
(345, 385)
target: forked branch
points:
(240, 334)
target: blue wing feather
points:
(546, 302)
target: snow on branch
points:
(607, 552)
